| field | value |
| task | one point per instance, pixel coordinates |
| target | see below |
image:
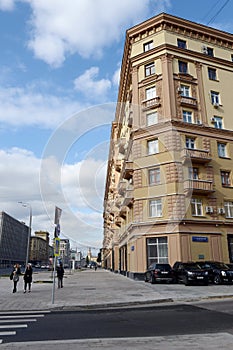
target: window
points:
(218, 124)
(148, 46)
(228, 206)
(193, 173)
(157, 250)
(152, 146)
(185, 90)
(150, 93)
(187, 117)
(183, 67)
(149, 69)
(215, 98)
(225, 178)
(212, 74)
(152, 118)
(190, 142)
(222, 149)
(196, 207)
(154, 176)
(181, 44)
(155, 208)
(231, 58)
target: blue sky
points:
(59, 72)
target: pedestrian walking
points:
(60, 274)
(16, 272)
(28, 278)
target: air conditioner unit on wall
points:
(221, 211)
(209, 210)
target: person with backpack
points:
(60, 274)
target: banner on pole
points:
(57, 217)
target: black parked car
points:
(190, 273)
(157, 272)
(218, 272)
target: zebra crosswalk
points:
(12, 321)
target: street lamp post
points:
(27, 205)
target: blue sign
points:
(199, 239)
(132, 248)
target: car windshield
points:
(163, 266)
(191, 266)
(219, 265)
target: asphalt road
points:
(162, 320)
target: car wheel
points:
(217, 279)
(186, 281)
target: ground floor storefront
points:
(183, 242)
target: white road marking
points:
(14, 326)
(19, 320)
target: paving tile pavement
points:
(89, 288)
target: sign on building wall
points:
(199, 239)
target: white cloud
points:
(24, 106)
(60, 28)
(90, 86)
(7, 5)
(20, 171)
(116, 77)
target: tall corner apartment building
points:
(169, 184)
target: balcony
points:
(128, 200)
(188, 102)
(123, 212)
(127, 170)
(196, 155)
(152, 103)
(122, 187)
(198, 186)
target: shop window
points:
(157, 250)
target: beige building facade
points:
(169, 185)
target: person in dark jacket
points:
(60, 274)
(28, 278)
(16, 272)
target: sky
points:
(59, 72)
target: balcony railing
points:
(127, 170)
(199, 186)
(196, 155)
(188, 101)
(152, 103)
(128, 200)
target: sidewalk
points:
(99, 289)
